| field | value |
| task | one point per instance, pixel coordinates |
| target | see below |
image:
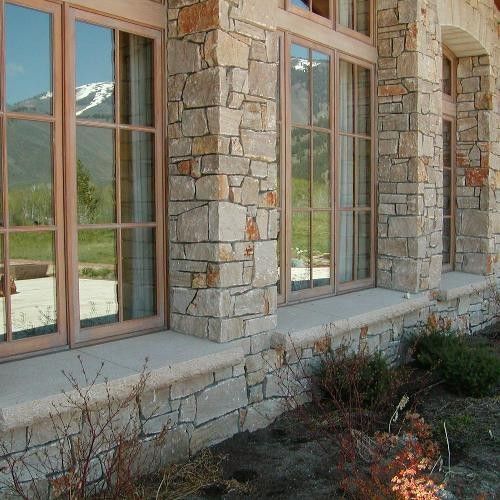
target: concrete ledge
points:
(306, 323)
(455, 285)
(23, 404)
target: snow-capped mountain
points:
(93, 101)
(28, 139)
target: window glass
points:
(30, 172)
(28, 60)
(355, 15)
(447, 77)
(447, 190)
(33, 296)
(95, 72)
(300, 80)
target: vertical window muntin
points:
(355, 210)
(351, 20)
(117, 320)
(31, 237)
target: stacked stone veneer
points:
(410, 145)
(222, 78)
(243, 389)
(478, 163)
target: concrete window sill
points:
(455, 285)
(32, 388)
(301, 324)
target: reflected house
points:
(208, 183)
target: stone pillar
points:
(477, 165)
(410, 145)
(222, 82)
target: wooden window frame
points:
(111, 14)
(450, 115)
(333, 20)
(450, 266)
(287, 296)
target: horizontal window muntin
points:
(318, 232)
(80, 253)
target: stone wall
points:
(477, 165)
(222, 78)
(409, 145)
(209, 404)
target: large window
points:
(81, 141)
(327, 173)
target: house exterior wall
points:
(223, 223)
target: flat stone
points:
(220, 399)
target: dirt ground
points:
(288, 461)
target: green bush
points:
(470, 370)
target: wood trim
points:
(325, 36)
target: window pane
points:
(346, 247)
(300, 64)
(300, 263)
(446, 86)
(301, 150)
(321, 239)
(28, 54)
(346, 13)
(346, 171)
(346, 100)
(29, 161)
(447, 191)
(139, 273)
(301, 4)
(447, 143)
(363, 172)
(278, 252)
(97, 277)
(137, 176)
(95, 72)
(355, 14)
(33, 302)
(321, 89)
(136, 79)
(3, 329)
(363, 109)
(321, 174)
(95, 156)
(364, 245)
(446, 240)
(321, 7)
(363, 17)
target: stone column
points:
(410, 145)
(222, 81)
(478, 165)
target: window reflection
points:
(28, 60)
(95, 72)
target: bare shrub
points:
(95, 449)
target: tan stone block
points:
(222, 49)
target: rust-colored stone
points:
(213, 275)
(202, 16)
(476, 177)
(271, 199)
(184, 167)
(363, 333)
(484, 100)
(322, 345)
(249, 250)
(252, 230)
(391, 90)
